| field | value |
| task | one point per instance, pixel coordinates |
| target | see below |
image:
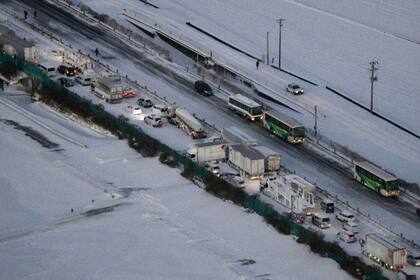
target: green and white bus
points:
(245, 106)
(284, 126)
(376, 179)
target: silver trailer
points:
(208, 151)
(247, 160)
(108, 89)
(272, 161)
(190, 124)
(237, 136)
(388, 254)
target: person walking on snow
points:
(96, 52)
(257, 64)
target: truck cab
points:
(322, 221)
(327, 205)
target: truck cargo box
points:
(385, 252)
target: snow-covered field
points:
(215, 114)
(160, 227)
(327, 47)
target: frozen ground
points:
(157, 227)
(214, 110)
(332, 49)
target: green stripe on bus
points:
(278, 130)
(368, 182)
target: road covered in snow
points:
(328, 47)
(101, 211)
(395, 214)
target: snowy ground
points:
(333, 50)
(389, 214)
(168, 93)
(161, 227)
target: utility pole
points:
(373, 78)
(280, 21)
(268, 49)
(316, 124)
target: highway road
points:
(393, 212)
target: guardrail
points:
(134, 82)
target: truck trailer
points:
(208, 151)
(247, 160)
(272, 160)
(108, 89)
(190, 124)
(388, 254)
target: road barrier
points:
(51, 92)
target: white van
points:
(321, 221)
(47, 68)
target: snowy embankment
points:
(339, 120)
(157, 226)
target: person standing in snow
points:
(25, 14)
(96, 52)
(257, 64)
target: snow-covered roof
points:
(243, 99)
(376, 170)
(291, 122)
(300, 181)
(109, 82)
(385, 242)
(248, 151)
(265, 151)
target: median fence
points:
(53, 93)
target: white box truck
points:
(386, 253)
(247, 160)
(272, 159)
(208, 151)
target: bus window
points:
(256, 110)
(299, 132)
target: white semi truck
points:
(387, 253)
(190, 124)
(208, 151)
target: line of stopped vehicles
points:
(234, 150)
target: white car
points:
(345, 216)
(351, 226)
(347, 236)
(294, 89)
(136, 111)
(153, 120)
(83, 80)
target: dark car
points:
(66, 82)
(67, 70)
(203, 88)
(327, 205)
(173, 121)
(145, 102)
